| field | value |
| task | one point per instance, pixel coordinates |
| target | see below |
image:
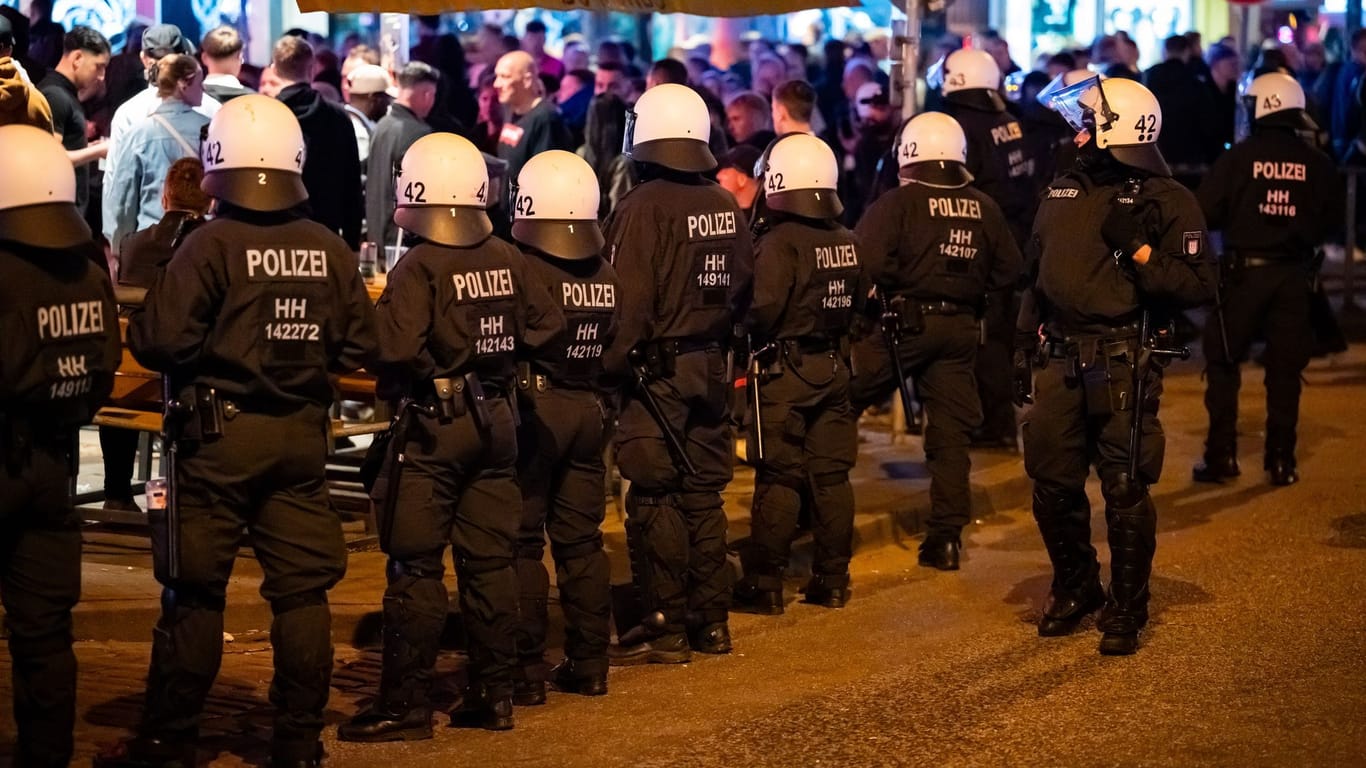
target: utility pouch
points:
(1096, 383)
(770, 361)
(445, 400)
(912, 316)
(657, 357)
(209, 411)
(478, 404)
(1119, 367)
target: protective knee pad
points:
(479, 565)
(398, 570)
(1123, 492)
(788, 480)
(529, 550)
(569, 552)
(190, 597)
(1052, 502)
(830, 479)
(307, 599)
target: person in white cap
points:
(367, 99)
(56, 368)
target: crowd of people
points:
(593, 249)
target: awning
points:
(696, 7)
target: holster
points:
(1104, 367)
(469, 390)
(908, 316)
(658, 358)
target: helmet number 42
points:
(1146, 127)
(525, 206)
(415, 192)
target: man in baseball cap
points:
(369, 92)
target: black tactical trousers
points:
(941, 361)
(1272, 301)
(993, 367)
(1061, 442)
(810, 440)
(561, 473)
(676, 527)
(458, 488)
(40, 582)
(264, 476)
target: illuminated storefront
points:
(1046, 26)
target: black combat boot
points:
(655, 640)
(1280, 465)
(713, 638)
(827, 590)
(391, 722)
(940, 551)
(484, 706)
(1133, 539)
(146, 752)
(1064, 523)
(1220, 464)
(294, 754)
(586, 677)
(528, 688)
(753, 596)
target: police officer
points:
(685, 261)
(61, 350)
(999, 163)
(453, 315)
(1115, 238)
(1274, 196)
(936, 246)
(250, 317)
(809, 285)
(563, 433)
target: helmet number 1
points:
(1146, 127)
(775, 182)
(524, 206)
(415, 192)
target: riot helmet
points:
(670, 126)
(1121, 115)
(253, 153)
(969, 77)
(933, 150)
(442, 187)
(555, 206)
(1275, 100)
(38, 196)
(801, 175)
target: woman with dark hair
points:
(154, 144)
(603, 137)
(143, 254)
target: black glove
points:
(1123, 229)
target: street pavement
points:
(1254, 656)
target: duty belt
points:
(811, 345)
(684, 345)
(944, 307)
(1253, 259)
(1070, 344)
(540, 382)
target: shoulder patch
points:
(1193, 243)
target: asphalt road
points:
(1254, 656)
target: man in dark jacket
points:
(394, 133)
(332, 162)
(1183, 101)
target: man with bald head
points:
(533, 122)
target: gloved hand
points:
(1123, 229)
(1022, 390)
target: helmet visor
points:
(1073, 102)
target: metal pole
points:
(1349, 245)
(910, 59)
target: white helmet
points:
(1123, 116)
(38, 195)
(254, 155)
(933, 150)
(800, 177)
(1276, 99)
(443, 191)
(972, 78)
(670, 126)
(555, 206)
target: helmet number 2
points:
(1146, 127)
(415, 192)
